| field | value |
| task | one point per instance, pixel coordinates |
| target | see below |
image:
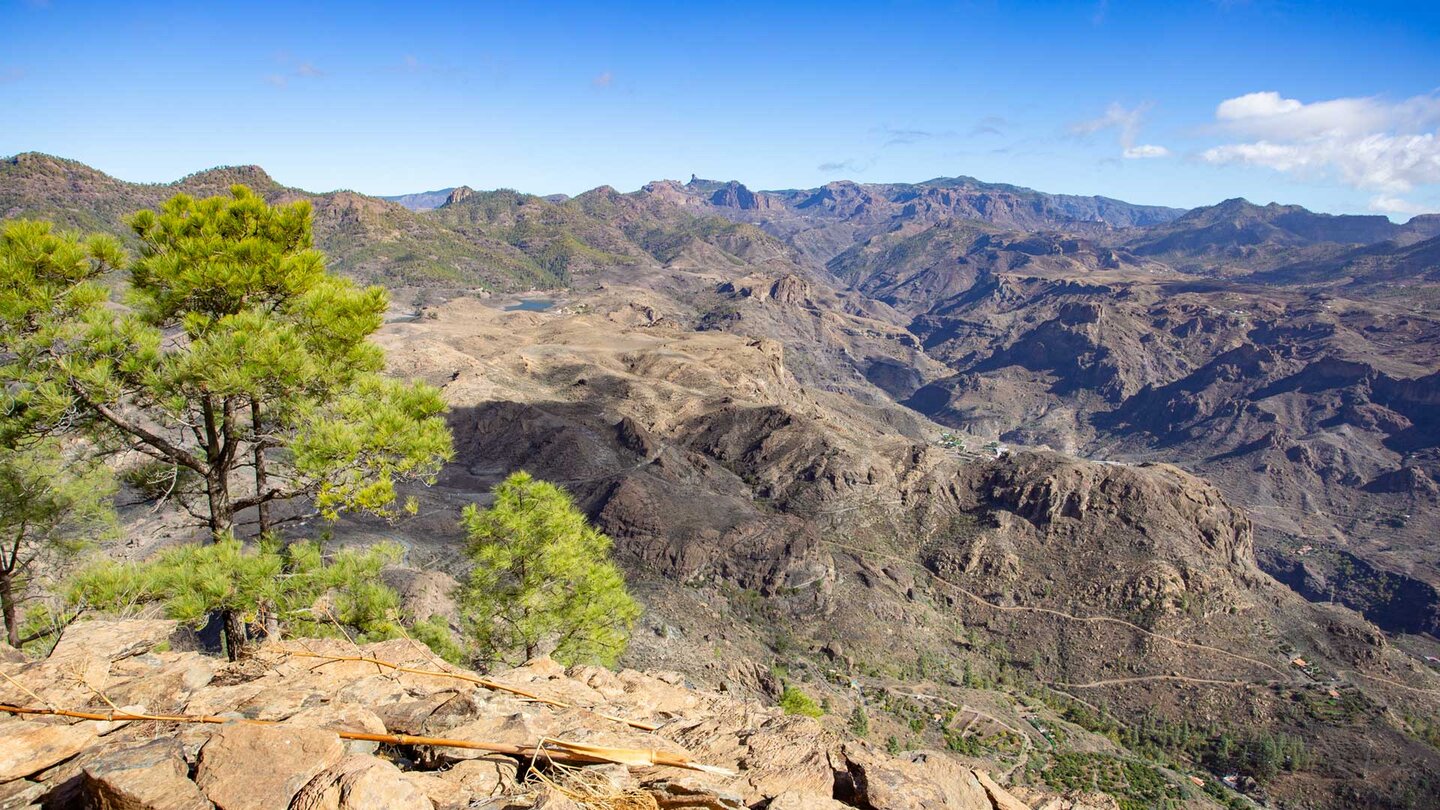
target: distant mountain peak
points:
(422, 200)
(457, 194)
(43, 159)
(225, 176)
(735, 195)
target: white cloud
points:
(1269, 115)
(1145, 150)
(1116, 115)
(1128, 121)
(603, 80)
(1366, 142)
(1255, 105)
(1396, 205)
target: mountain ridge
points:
(819, 429)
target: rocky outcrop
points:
(151, 776)
(279, 746)
(458, 194)
(1056, 493)
(361, 782)
(31, 747)
(735, 195)
(249, 767)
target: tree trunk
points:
(222, 514)
(236, 635)
(222, 523)
(272, 623)
(7, 605)
(262, 481)
(217, 471)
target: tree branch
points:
(39, 634)
(174, 453)
(266, 497)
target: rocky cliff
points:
(323, 723)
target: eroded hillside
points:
(1001, 471)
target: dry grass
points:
(591, 789)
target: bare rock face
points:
(111, 640)
(961, 786)
(491, 775)
(804, 801)
(10, 655)
(22, 793)
(284, 750)
(787, 758)
(360, 782)
(736, 195)
(32, 747)
(458, 194)
(898, 784)
(342, 717)
(999, 797)
(82, 659)
(152, 776)
(503, 720)
(248, 767)
(1407, 481)
(423, 593)
(1059, 495)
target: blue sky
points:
(1334, 106)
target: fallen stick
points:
(467, 677)
(554, 750)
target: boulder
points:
(280, 701)
(21, 794)
(490, 775)
(503, 721)
(785, 754)
(689, 793)
(31, 747)
(341, 718)
(111, 640)
(160, 686)
(252, 767)
(443, 794)
(361, 782)
(433, 715)
(1000, 798)
(551, 799)
(792, 800)
(887, 784)
(423, 593)
(152, 776)
(962, 790)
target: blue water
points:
(531, 305)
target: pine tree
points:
(243, 361)
(51, 508)
(542, 580)
(308, 592)
(53, 500)
(48, 282)
(859, 721)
